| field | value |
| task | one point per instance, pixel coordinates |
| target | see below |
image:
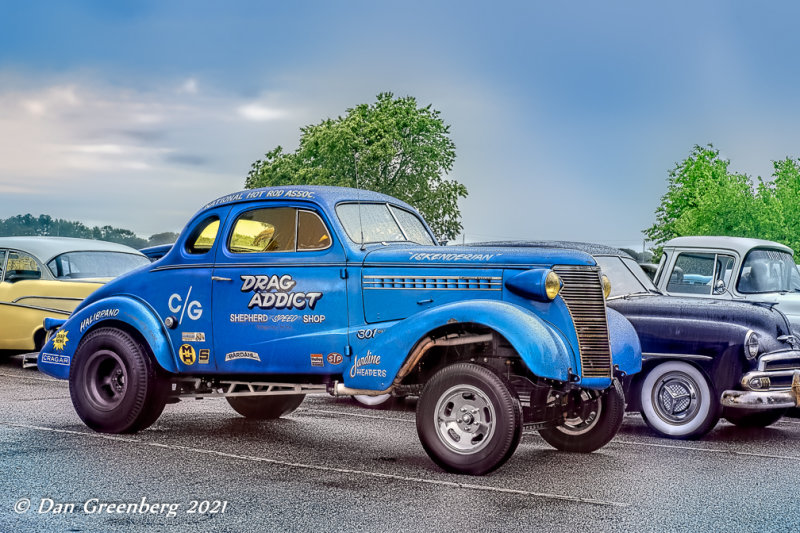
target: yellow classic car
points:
(48, 277)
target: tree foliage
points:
(705, 198)
(45, 225)
(391, 146)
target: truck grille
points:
(583, 294)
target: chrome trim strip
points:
(68, 298)
(37, 308)
(772, 357)
(692, 356)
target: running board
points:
(201, 388)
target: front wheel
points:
(678, 401)
(749, 419)
(469, 419)
(265, 407)
(597, 420)
(114, 384)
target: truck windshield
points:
(768, 271)
(382, 223)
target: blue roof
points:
(323, 195)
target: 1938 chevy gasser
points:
(274, 293)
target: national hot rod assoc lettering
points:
(275, 292)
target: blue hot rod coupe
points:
(271, 294)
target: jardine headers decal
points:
(275, 292)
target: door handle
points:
(423, 302)
(218, 278)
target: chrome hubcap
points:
(465, 419)
(676, 397)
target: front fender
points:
(625, 348)
(542, 348)
(57, 355)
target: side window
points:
(722, 273)
(2, 263)
(264, 230)
(202, 238)
(21, 266)
(311, 232)
(692, 274)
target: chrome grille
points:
(583, 294)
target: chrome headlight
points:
(751, 345)
(552, 285)
(606, 285)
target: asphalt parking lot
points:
(334, 466)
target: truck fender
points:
(542, 348)
(57, 355)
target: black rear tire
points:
(114, 384)
(753, 419)
(265, 407)
(469, 419)
(593, 431)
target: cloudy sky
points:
(566, 118)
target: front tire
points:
(114, 384)
(678, 401)
(748, 419)
(469, 419)
(595, 427)
(265, 407)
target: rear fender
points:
(56, 357)
(541, 347)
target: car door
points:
(279, 292)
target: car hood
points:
(751, 315)
(475, 256)
(788, 303)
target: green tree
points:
(391, 146)
(166, 237)
(704, 198)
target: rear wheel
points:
(114, 384)
(469, 419)
(265, 407)
(753, 419)
(678, 401)
(598, 419)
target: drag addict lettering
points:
(275, 292)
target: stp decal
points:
(335, 358)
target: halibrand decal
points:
(103, 313)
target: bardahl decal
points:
(55, 359)
(205, 355)
(187, 354)
(415, 256)
(60, 340)
(316, 359)
(367, 360)
(335, 358)
(99, 315)
(233, 356)
(275, 292)
(190, 336)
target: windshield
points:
(625, 275)
(73, 265)
(768, 271)
(382, 223)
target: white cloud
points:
(258, 112)
(189, 87)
